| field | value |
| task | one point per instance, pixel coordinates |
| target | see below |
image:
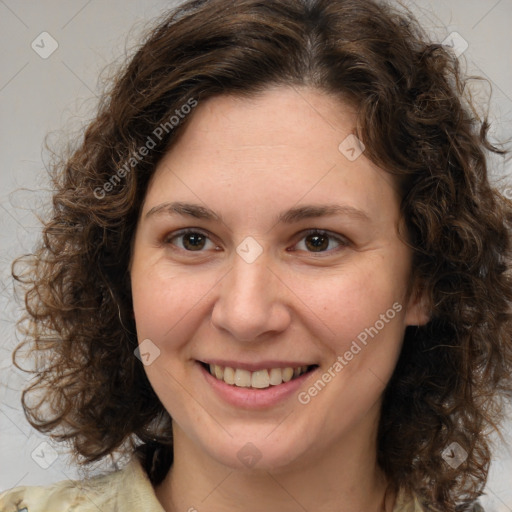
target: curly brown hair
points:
(453, 373)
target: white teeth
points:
(287, 374)
(219, 372)
(259, 379)
(276, 377)
(242, 378)
(229, 375)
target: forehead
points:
(282, 144)
(287, 116)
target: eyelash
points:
(342, 241)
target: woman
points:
(276, 274)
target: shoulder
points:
(128, 489)
(406, 502)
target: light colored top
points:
(126, 490)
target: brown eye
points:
(192, 241)
(318, 241)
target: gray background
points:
(57, 95)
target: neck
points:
(346, 479)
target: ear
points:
(418, 311)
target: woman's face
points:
(266, 248)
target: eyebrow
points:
(290, 216)
(186, 209)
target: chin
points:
(245, 452)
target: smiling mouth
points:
(259, 379)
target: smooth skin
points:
(305, 298)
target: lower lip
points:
(251, 398)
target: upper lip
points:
(252, 366)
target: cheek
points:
(166, 307)
(364, 313)
(352, 301)
(167, 303)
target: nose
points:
(251, 302)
